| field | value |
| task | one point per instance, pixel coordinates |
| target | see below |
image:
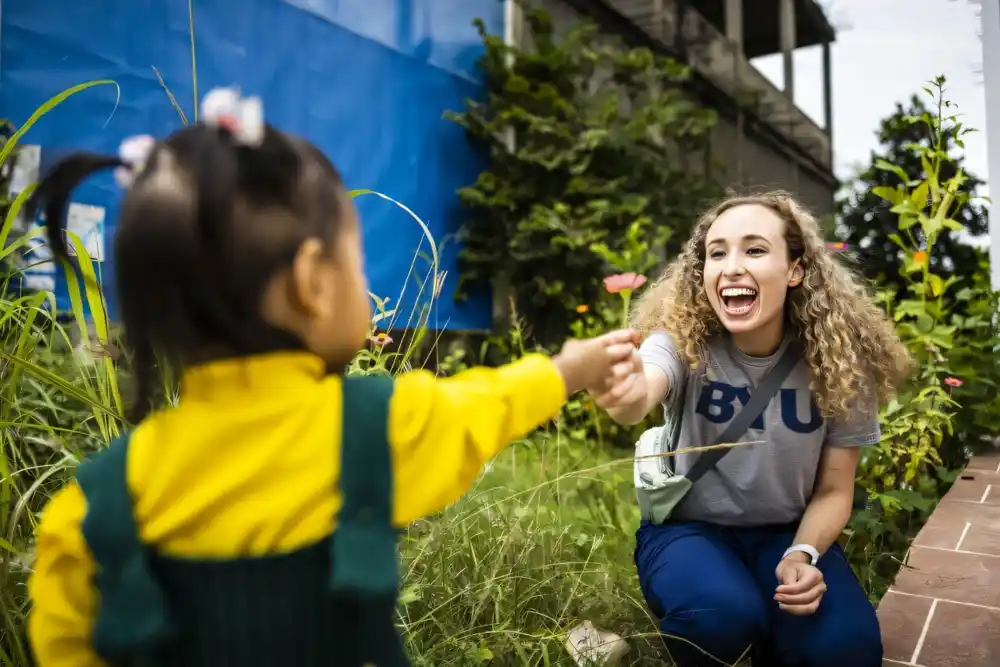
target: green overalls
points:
(331, 604)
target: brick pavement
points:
(944, 608)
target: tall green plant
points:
(867, 221)
(587, 139)
(905, 474)
(41, 431)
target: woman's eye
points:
(754, 252)
(716, 254)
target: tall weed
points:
(905, 474)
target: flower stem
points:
(626, 298)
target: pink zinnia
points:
(381, 339)
(623, 281)
(953, 382)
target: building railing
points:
(713, 56)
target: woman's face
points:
(747, 272)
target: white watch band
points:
(803, 548)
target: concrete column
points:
(734, 23)
(513, 35)
(734, 34)
(828, 94)
(990, 16)
(786, 32)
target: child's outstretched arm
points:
(443, 430)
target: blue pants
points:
(713, 588)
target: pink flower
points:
(953, 382)
(623, 281)
(381, 339)
(836, 247)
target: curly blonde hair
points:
(849, 343)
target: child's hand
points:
(630, 391)
(597, 364)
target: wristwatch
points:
(803, 548)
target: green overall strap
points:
(132, 614)
(365, 556)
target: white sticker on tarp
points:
(40, 282)
(27, 164)
(87, 222)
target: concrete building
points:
(762, 140)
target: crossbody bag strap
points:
(768, 387)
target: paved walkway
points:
(944, 608)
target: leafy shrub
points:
(951, 335)
(587, 139)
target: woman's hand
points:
(800, 588)
(629, 401)
(625, 392)
(598, 364)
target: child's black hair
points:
(202, 230)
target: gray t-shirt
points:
(757, 484)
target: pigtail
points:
(147, 376)
(52, 194)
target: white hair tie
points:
(243, 117)
(134, 152)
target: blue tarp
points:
(366, 80)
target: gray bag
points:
(658, 490)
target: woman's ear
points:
(797, 274)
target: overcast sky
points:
(885, 51)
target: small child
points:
(256, 521)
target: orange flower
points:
(953, 382)
(381, 339)
(582, 308)
(920, 257)
(836, 247)
(623, 281)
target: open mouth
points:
(738, 301)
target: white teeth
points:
(738, 291)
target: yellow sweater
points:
(247, 464)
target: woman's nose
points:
(734, 265)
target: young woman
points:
(749, 557)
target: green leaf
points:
(48, 106)
(937, 285)
(920, 195)
(892, 195)
(884, 165)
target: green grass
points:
(543, 542)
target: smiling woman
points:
(747, 561)
(749, 268)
